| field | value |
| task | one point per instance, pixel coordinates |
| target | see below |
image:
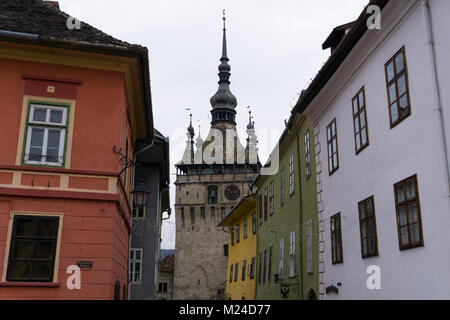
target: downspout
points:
(301, 212)
(436, 92)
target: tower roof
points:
(223, 98)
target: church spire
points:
(224, 102)
(251, 150)
(188, 155)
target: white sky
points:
(274, 49)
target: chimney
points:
(53, 3)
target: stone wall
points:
(200, 264)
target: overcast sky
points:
(274, 49)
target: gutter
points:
(19, 35)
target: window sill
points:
(30, 284)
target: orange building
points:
(68, 95)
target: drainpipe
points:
(301, 212)
(436, 92)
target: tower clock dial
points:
(232, 192)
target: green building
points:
(287, 242)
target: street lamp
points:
(140, 194)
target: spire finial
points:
(224, 43)
(224, 18)
(190, 129)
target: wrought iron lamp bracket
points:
(124, 160)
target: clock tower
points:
(212, 177)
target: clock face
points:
(232, 192)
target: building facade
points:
(212, 177)
(380, 113)
(287, 250)
(153, 170)
(242, 226)
(165, 278)
(68, 98)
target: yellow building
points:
(241, 223)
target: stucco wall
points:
(412, 147)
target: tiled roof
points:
(46, 20)
(167, 264)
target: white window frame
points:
(133, 262)
(292, 256)
(281, 260)
(309, 247)
(307, 154)
(46, 126)
(291, 174)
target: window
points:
(245, 228)
(291, 174)
(282, 186)
(135, 265)
(202, 214)
(307, 154)
(368, 228)
(260, 267)
(309, 247)
(231, 273)
(253, 222)
(212, 195)
(281, 260)
(222, 213)
(292, 256)
(182, 217)
(252, 268)
(409, 221)
(232, 236)
(213, 214)
(33, 248)
(260, 208)
(360, 121)
(244, 265)
(138, 211)
(236, 270)
(269, 271)
(237, 233)
(265, 266)
(271, 191)
(46, 135)
(397, 88)
(333, 159)
(265, 204)
(192, 216)
(336, 239)
(162, 287)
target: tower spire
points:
(224, 102)
(224, 41)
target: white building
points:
(411, 242)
